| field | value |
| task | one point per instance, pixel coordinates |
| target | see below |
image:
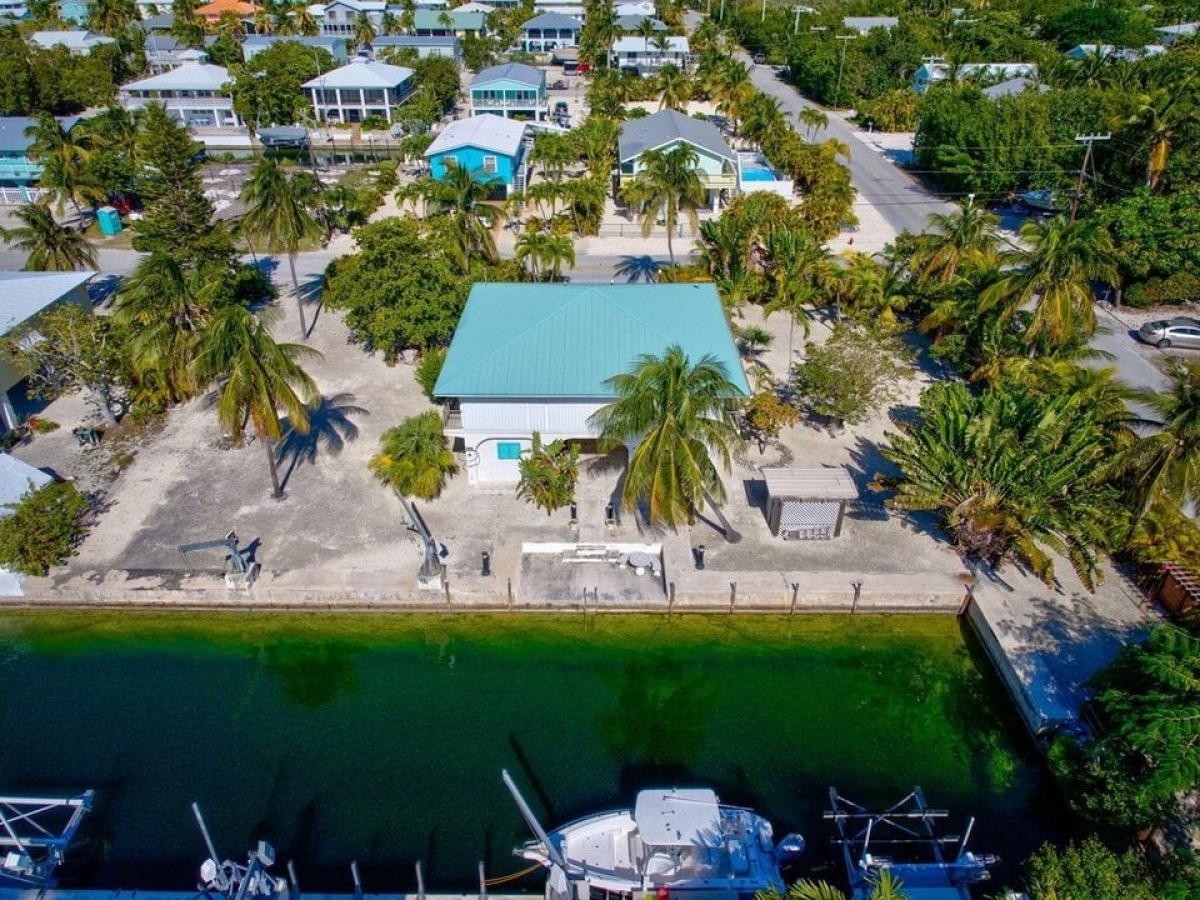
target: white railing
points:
(13, 196)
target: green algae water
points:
(381, 739)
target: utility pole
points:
(1088, 140)
(845, 39)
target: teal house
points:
(512, 90)
(537, 357)
(76, 11)
(491, 147)
(18, 173)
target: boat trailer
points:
(904, 841)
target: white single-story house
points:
(1169, 34)
(439, 45)
(25, 296)
(17, 478)
(535, 357)
(549, 31)
(359, 89)
(80, 43)
(195, 93)
(645, 56)
(255, 44)
(716, 164)
(1110, 51)
(982, 73)
(867, 24)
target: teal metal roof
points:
(565, 340)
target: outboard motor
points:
(790, 849)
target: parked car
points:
(759, 58)
(1177, 332)
(561, 108)
(559, 86)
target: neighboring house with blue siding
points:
(18, 173)
(76, 11)
(490, 147)
(512, 90)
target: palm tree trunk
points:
(104, 403)
(299, 299)
(276, 490)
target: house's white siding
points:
(486, 424)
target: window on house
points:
(508, 450)
(489, 165)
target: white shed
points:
(807, 504)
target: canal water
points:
(381, 739)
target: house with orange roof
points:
(212, 11)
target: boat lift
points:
(916, 855)
(240, 573)
(235, 881)
(35, 833)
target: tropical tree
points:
(277, 213)
(256, 378)
(1165, 465)
(596, 142)
(1011, 474)
(1160, 119)
(870, 291)
(364, 30)
(763, 115)
(667, 185)
(730, 85)
(50, 247)
(674, 86)
(164, 308)
(305, 22)
(681, 414)
(548, 474)
(413, 458)
(63, 154)
(884, 886)
(813, 120)
(954, 242)
(461, 195)
(112, 17)
(797, 267)
(1056, 276)
(554, 151)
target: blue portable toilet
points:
(109, 220)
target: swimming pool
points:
(758, 173)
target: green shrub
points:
(374, 123)
(429, 368)
(38, 425)
(43, 529)
(1180, 287)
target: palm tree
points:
(870, 290)
(413, 458)
(112, 17)
(681, 415)
(1056, 275)
(50, 246)
(730, 85)
(798, 266)
(277, 212)
(461, 195)
(256, 378)
(668, 184)
(364, 30)
(559, 251)
(763, 116)
(63, 153)
(884, 886)
(1161, 117)
(530, 250)
(164, 308)
(954, 242)
(306, 23)
(675, 87)
(1166, 465)
(813, 119)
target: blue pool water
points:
(758, 173)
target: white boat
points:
(1043, 201)
(673, 841)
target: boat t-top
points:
(672, 841)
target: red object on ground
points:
(663, 893)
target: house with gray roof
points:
(512, 90)
(549, 31)
(1013, 86)
(255, 44)
(667, 129)
(195, 92)
(80, 43)
(361, 88)
(983, 74)
(537, 357)
(632, 24)
(430, 45)
(19, 174)
(23, 297)
(867, 24)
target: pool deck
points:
(1048, 644)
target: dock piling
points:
(295, 882)
(358, 888)
(420, 882)
(482, 883)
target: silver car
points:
(1178, 332)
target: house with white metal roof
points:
(1013, 86)
(361, 88)
(17, 478)
(983, 74)
(867, 24)
(631, 23)
(196, 93)
(716, 163)
(255, 44)
(512, 90)
(164, 51)
(491, 147)
(23, 297)
(640, 8)
(537, 357)
(19, 174)
(430, 45)
(1169, 34)
(80, 43)
(646, 56)
(1110, 51)
(549, 31)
